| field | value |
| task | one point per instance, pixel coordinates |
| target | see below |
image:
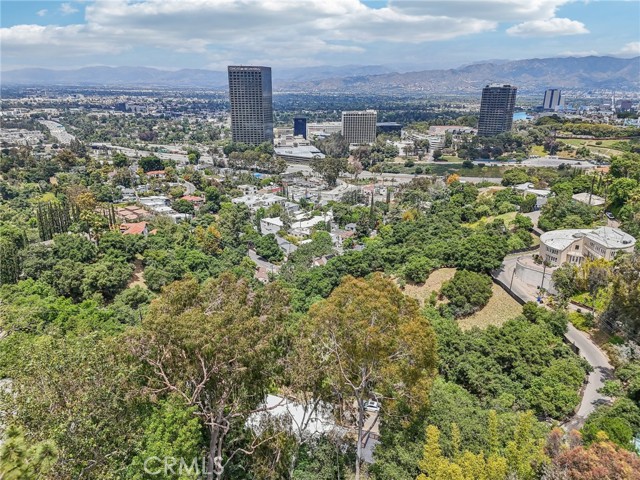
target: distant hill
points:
(586, 73)
(532, 75)
(116, 76)
(148, 77)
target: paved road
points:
(261, 262)
(602, 369)
(190, 188)
(534, 216)
(539, 162)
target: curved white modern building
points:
(574, 245)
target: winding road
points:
(602, 369)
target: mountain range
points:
(532, 75)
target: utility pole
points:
(544, 271)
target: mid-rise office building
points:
(496, 110)
(300, 127)
(552, 99)
(251, 104)
(359, 127)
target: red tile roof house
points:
(197, 201)
(156, 173)
(139, 228)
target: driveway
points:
(602, 369)
(261, 262)
(190, 188)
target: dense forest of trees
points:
(115, 349)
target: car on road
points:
(372, 406)
(610, 215)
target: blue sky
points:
(294, 33)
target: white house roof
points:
(296, 415)
(612, 237)
(584, 198)
(313, 221)
(609, 237)
(528, 188)
(561, 239)
(273, 221)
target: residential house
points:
(196, 201)
(156, 174)
(138, 228)
(589, 199)
(541, 195)
(574, 245)
(270, 225)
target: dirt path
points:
(137, 278)
(422, 291)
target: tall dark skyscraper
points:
(251, 104)
(496, 110)
(300, 126)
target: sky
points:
(403, 34)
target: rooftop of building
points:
(246, 68)
(358, 112)
(528, 188)
(192, 198)
(273, 221)
(589, 199)
(610, 237)
(561, 239)
(305, 151)
(441, 129)
(133, 228)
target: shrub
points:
(580, 321)
(467, 292)
(417, 269)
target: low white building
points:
(155, 201)
(303, 420)
(298, 154)
(270, 225)
(541, 195)
(323, 129)
(302, 228)
(589, 199)
(255, 202)
(247, 189)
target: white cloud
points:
(295, 31)
(44, 41)
(631, 49)
(42, 13)
(67, 9)
(495, 10)
(240, 28)
(579, 53)
(552, 27)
